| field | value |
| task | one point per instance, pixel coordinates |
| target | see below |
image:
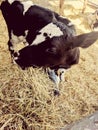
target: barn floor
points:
(88, 123)
(26, 97)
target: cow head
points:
(57, 52)
(67, 49)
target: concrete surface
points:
(88, 123)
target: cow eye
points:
(51, 50)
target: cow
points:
(51, 40)
(57, 53)
(25, 20)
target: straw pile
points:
(26, 96)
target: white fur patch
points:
(51, 30)
(11, 1)
(27, 5)
(18, 39)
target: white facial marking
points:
(27, 5)
(11, 1)
(49, 29)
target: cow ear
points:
(52, 50)
(84, 40)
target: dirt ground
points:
(26, 98)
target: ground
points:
(26, 97)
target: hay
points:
(26, 96)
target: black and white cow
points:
(56, 54)
(53, 43)
(32, 24)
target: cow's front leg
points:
(11, 48)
